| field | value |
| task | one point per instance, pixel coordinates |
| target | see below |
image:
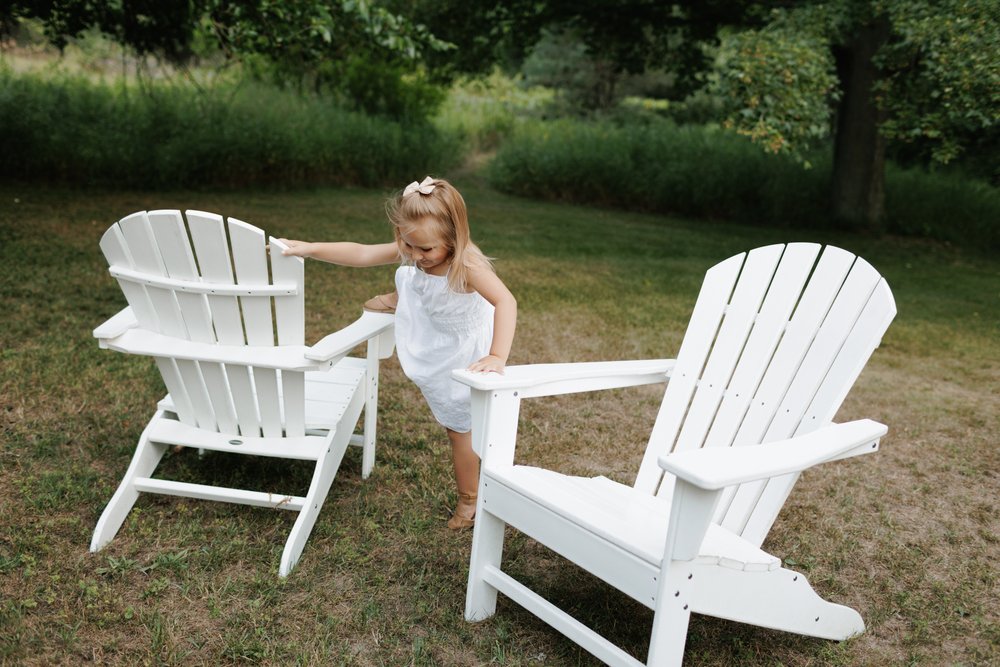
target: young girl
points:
(452, 311)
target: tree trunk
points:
(859, 149)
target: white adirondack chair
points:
(775, 341)
(239, 380)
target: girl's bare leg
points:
(466, 473)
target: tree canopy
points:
(921, 74)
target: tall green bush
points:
(706, 172)
(161, 135)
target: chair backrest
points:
(189, 281)
(775, 342)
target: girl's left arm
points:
(488, 284)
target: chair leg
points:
(326, 470)
(671, 618)
(371, 411)
(487, 550)
(147, 456)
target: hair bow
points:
(425, 187)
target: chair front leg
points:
(494, 436)
(147, 456)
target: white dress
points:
(437, 331)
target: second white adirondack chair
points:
(240, 379)
(775, 342)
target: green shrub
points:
(706, 172)
(484, 112)
(162, 135)
(943, 206)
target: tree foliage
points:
(942, 84)
(939, 73)
(357, 47)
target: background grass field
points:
(907, 536)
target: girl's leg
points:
(466, 474)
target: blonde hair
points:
(445, 208)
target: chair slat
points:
(754, 280)
(219, 393)
(293, 385)
(289, 311)
(177, 389)
(209, 237)
(824, 284)
(244, 400)
(265, 382)
(145, 257)
(796, 264)
(190, 374)
(823, 348)
(178, 260)
(290, 320)
(862, 341)
(115, 250)
(250, 262)
(708, 311)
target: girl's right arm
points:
(344, 252)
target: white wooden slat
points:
(198, 286)
(789, 279)
(265, 382)
(824, 285)
(219, 494)
(289, 311)
(850, 361)
(817, 298)
(190, 374)
(837, 324)
(212, 250)
(208, 235)
(708, 311)
(217, 386)
(178, 391)
(250, 263)
(115, 250)
(244, 400)
(146, 258)
(293, 386)
(813, 306)
(754, 280)
(864, 338)
(178, 260)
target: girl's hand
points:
(491, 363)
(295, 248)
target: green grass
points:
(906, 536)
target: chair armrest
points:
(336, 344)
(718, 467)
(549, 379)
(116, 325)
(152, 344)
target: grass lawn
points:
(907, 536)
